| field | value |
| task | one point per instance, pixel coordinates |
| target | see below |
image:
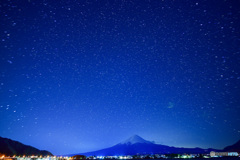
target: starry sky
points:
(82, 75)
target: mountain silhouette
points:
(9, 147)
(233, 148)
(137, 145)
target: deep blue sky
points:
(77, 76)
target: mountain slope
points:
(233, 148)
(137, 145)
(10, 147)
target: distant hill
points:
(137, 145)
(233, 148)
(10, 147)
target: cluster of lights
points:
(41, 157)
(93, 157)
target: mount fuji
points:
(137, 145)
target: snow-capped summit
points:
(135, 139)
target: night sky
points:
(81, 75)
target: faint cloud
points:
(170, 105)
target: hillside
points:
(10, 147)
